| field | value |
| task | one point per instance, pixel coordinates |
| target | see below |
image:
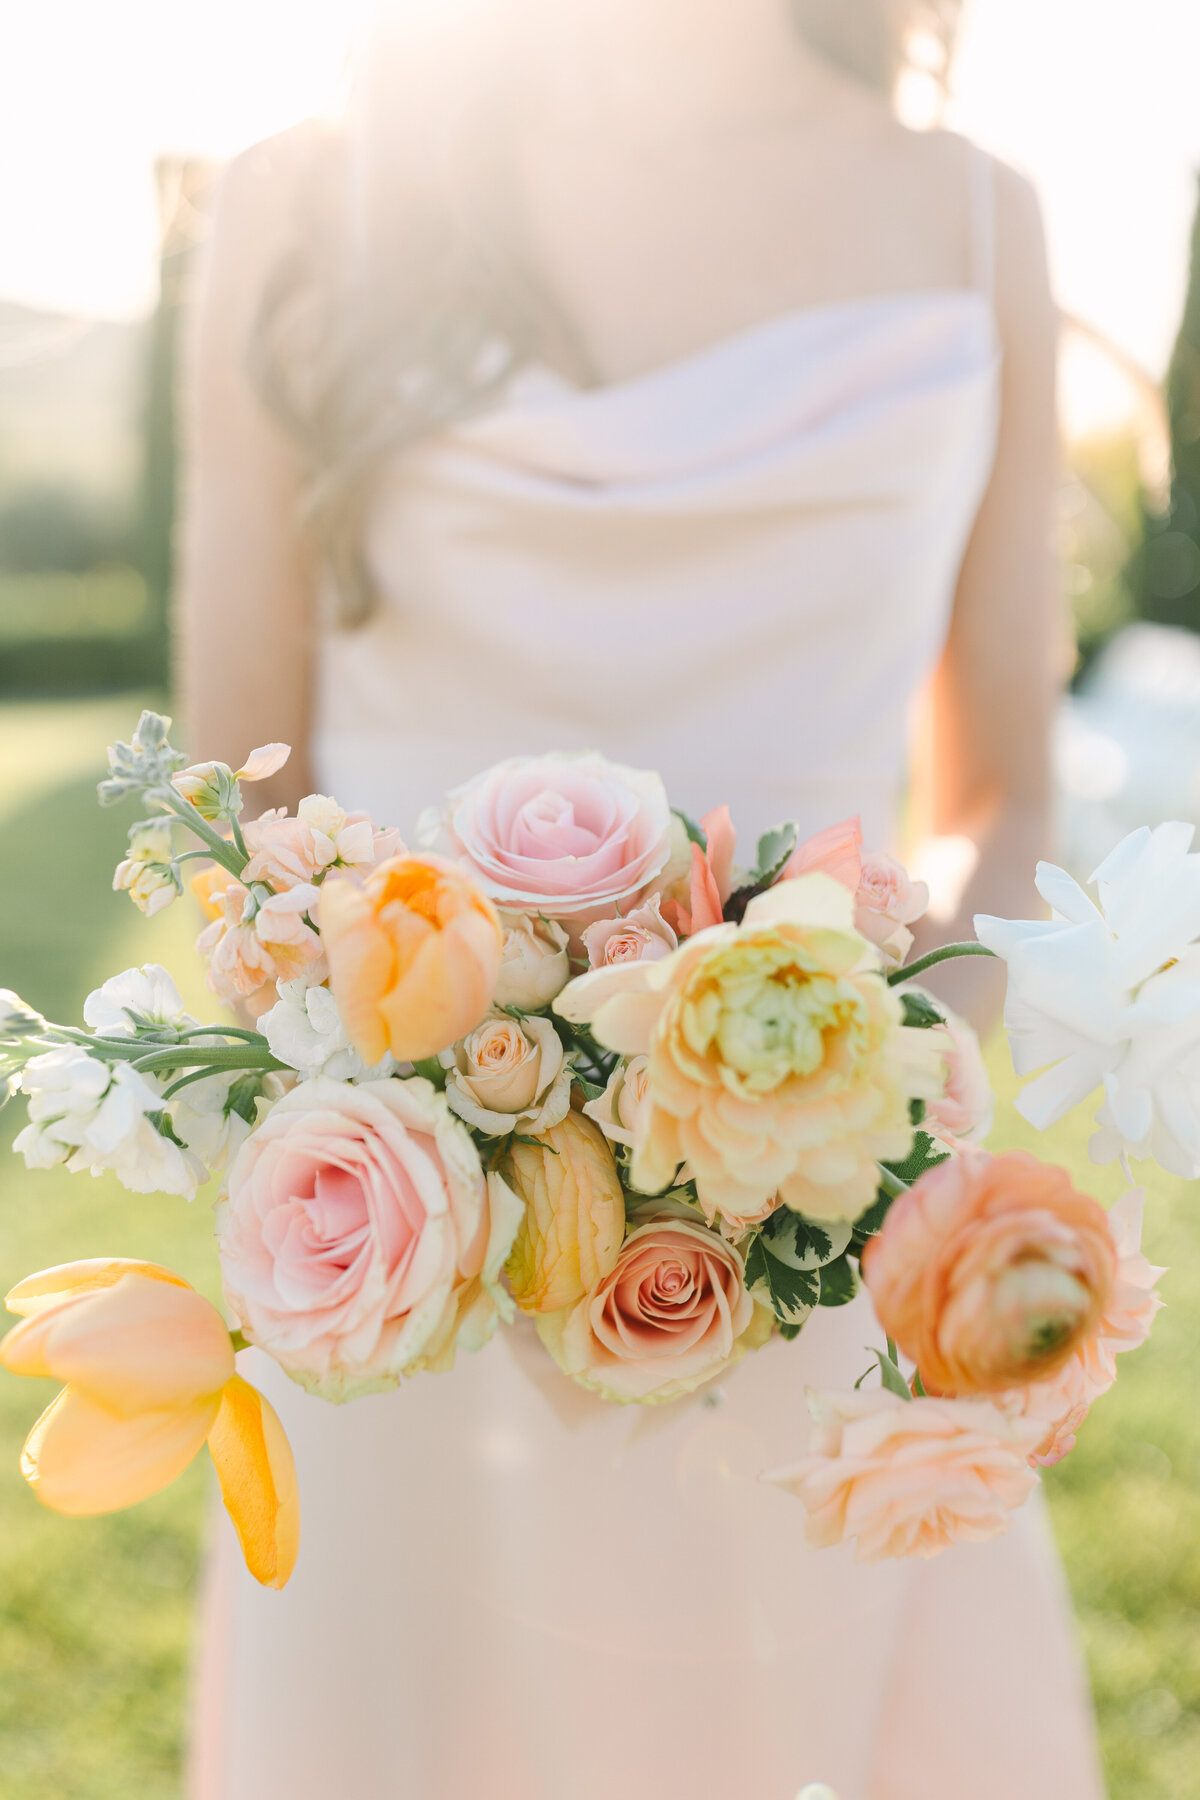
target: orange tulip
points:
(414, 956)
(150, 1377)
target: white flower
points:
(304, 1029)
(209, 1125)
(509, 1077)
(89, 1116)
(148, 873)
(1109, 997)
(149, 992)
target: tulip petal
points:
(361, 965)
(49, 1286)
(82, 1459)
(139, 1347)
(267, 760)
(258, 1482)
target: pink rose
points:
(557, 834)
(836, 851)
(888, 901)
(359, 1241)
(643, 935)
(671, 1315)
(963, 1114)
(910, 1477)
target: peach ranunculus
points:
(255, 941)
(150, 1377)
(287, 852)
(778, 1063)
(558, 834)
(642, 935)
(910, 1477)
(616, 1110)
(887, 902)
(671, 1315)
(1063, 1403)
(535, 963)
(508, 1076)
(360, 1241)
(574, 1216)
(962, 1113)
(991, 1272)
(414, 956)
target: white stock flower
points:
(148, 874)
(90, 1116)
(209, 1125)
(509, 1076)
(148, 991)
(304, 1029)
(1109, 996)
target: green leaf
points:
(696, 833)
(839, 1282)
(591, 1089)
(920, 1011)
(793, 1293)
(432, 1070)
(775, 850)
(790, 1332)
(916, 1112)
(921, 1158)
(804, 1243)
(868, 1224)
(892, 1379)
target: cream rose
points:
(360, 1241)
(672, 1314)
(535, 963)
(617, 1109)
(643, 935)
(509, 1077)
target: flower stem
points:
(945, 953)
(183, 1056)
(219, 848)
(892, 1184)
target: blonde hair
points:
(404, 302)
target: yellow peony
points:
(574, 1219)
(777, 1060)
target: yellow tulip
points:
(150, 1377)
(414, 956)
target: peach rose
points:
(574, 1215)
(414, 955)
(286, 852)
(671, 1315)
(887, 902)
(962, 1113)
(506, 1077)
(836, 852)
(254, 942)
(557, 834)
(991, 1272)
(617, 1109)
(359, 1241)
(643, 935)
(910, 1477)
(535, 963)
(777, 1060)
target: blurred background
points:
(114, 124)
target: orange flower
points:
(991, 1272)
(150, 1377)
(414, 956)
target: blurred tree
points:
(1164, 573)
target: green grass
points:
(95, 1616)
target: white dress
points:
(737, 570)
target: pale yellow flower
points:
(574, 1218)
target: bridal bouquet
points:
(567, 1059)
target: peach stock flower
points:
(559, 834)
(253, 941)
(414, 956)
(287, 852)
(150, 1377)
(910, 1477)
(991, 1272)
(670, 1315)
(777, 1062)
(574, 1216)
(360, 1241)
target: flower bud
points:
(534, 965)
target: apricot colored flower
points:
(150, 1377)
(414, 956)
(910, 1477)
(991, 1272)
(255, 940)
(286, 852)
(574, 1218)
(671, 1314)
(509, 1075)
(836, 851)
(777, 1061)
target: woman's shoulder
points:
(260, 189)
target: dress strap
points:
(983, 222)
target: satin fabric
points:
(737, 570)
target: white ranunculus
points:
(1108, 997)
(304, 1029)
(148, 991)
(90, 1116)
(509, 1077)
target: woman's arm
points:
(983, 767)
(245, 591)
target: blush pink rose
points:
(887, 902)
(672, 1314)
(910, 1477)
(562, 835)
(963, 1112)
(360, 1241)
(643, 935)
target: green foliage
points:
(920, 1010)
(787, 1260)
(696, 833)
(839, 1282)
(774, 853)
